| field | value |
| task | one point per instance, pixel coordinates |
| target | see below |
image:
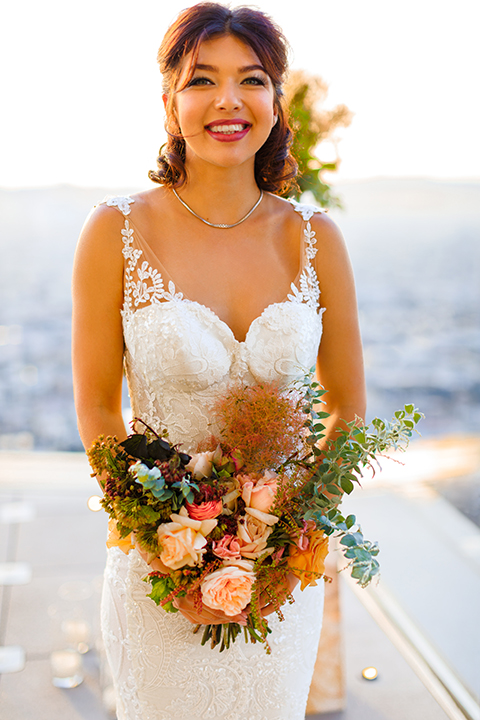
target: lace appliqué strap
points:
(309, 290)
(143, 284)
(121, 202)
(149, 286)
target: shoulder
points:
(115, 206)
(100, 242)
(316, 221)
(109, 216)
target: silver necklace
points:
(223, 226)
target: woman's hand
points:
(207, 616)
(186, 605)
(215, 617)
(281, 591)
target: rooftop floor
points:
(430, 582)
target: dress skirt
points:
(161, 671)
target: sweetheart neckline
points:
(219, 320)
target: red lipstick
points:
(228, 130)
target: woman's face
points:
(226, 112)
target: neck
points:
(220, 195)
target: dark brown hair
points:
(275, 167)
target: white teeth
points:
(227, 129)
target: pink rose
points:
(302, 542)
(243, 478)
(260, 494)
(227, 547)
(230, 588)
(204, 510)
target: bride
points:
(208, 278)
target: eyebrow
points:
(244, 69)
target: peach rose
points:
(253, 531)
(180, 546)
(230, 588)
(183, 540)
(226, 548)
(200, 464)
(260, 494)
(308, 565)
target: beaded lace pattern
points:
(179, 357)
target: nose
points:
(228, 97)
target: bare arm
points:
(340, 359)
(97, 330)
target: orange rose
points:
(230, 588)
(308, 565)
(114, 540)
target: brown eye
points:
(254, 81)
(199, 81)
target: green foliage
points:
(312, 125)
(162, 587)
(147, 538)
(338, 466)
(133, 513)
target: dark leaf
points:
(136, 446)
(159, 450)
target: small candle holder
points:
(74, 615)
(76, 632)
(67, 668)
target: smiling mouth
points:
(227, 129)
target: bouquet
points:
(254, 503)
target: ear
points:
(165, 100)
(275, 118)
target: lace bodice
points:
(180, 355)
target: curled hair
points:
(275, 167)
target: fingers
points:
(207, 616)
(267, 607)
(267, 610)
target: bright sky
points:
(81, 92)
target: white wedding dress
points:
(179, 357)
